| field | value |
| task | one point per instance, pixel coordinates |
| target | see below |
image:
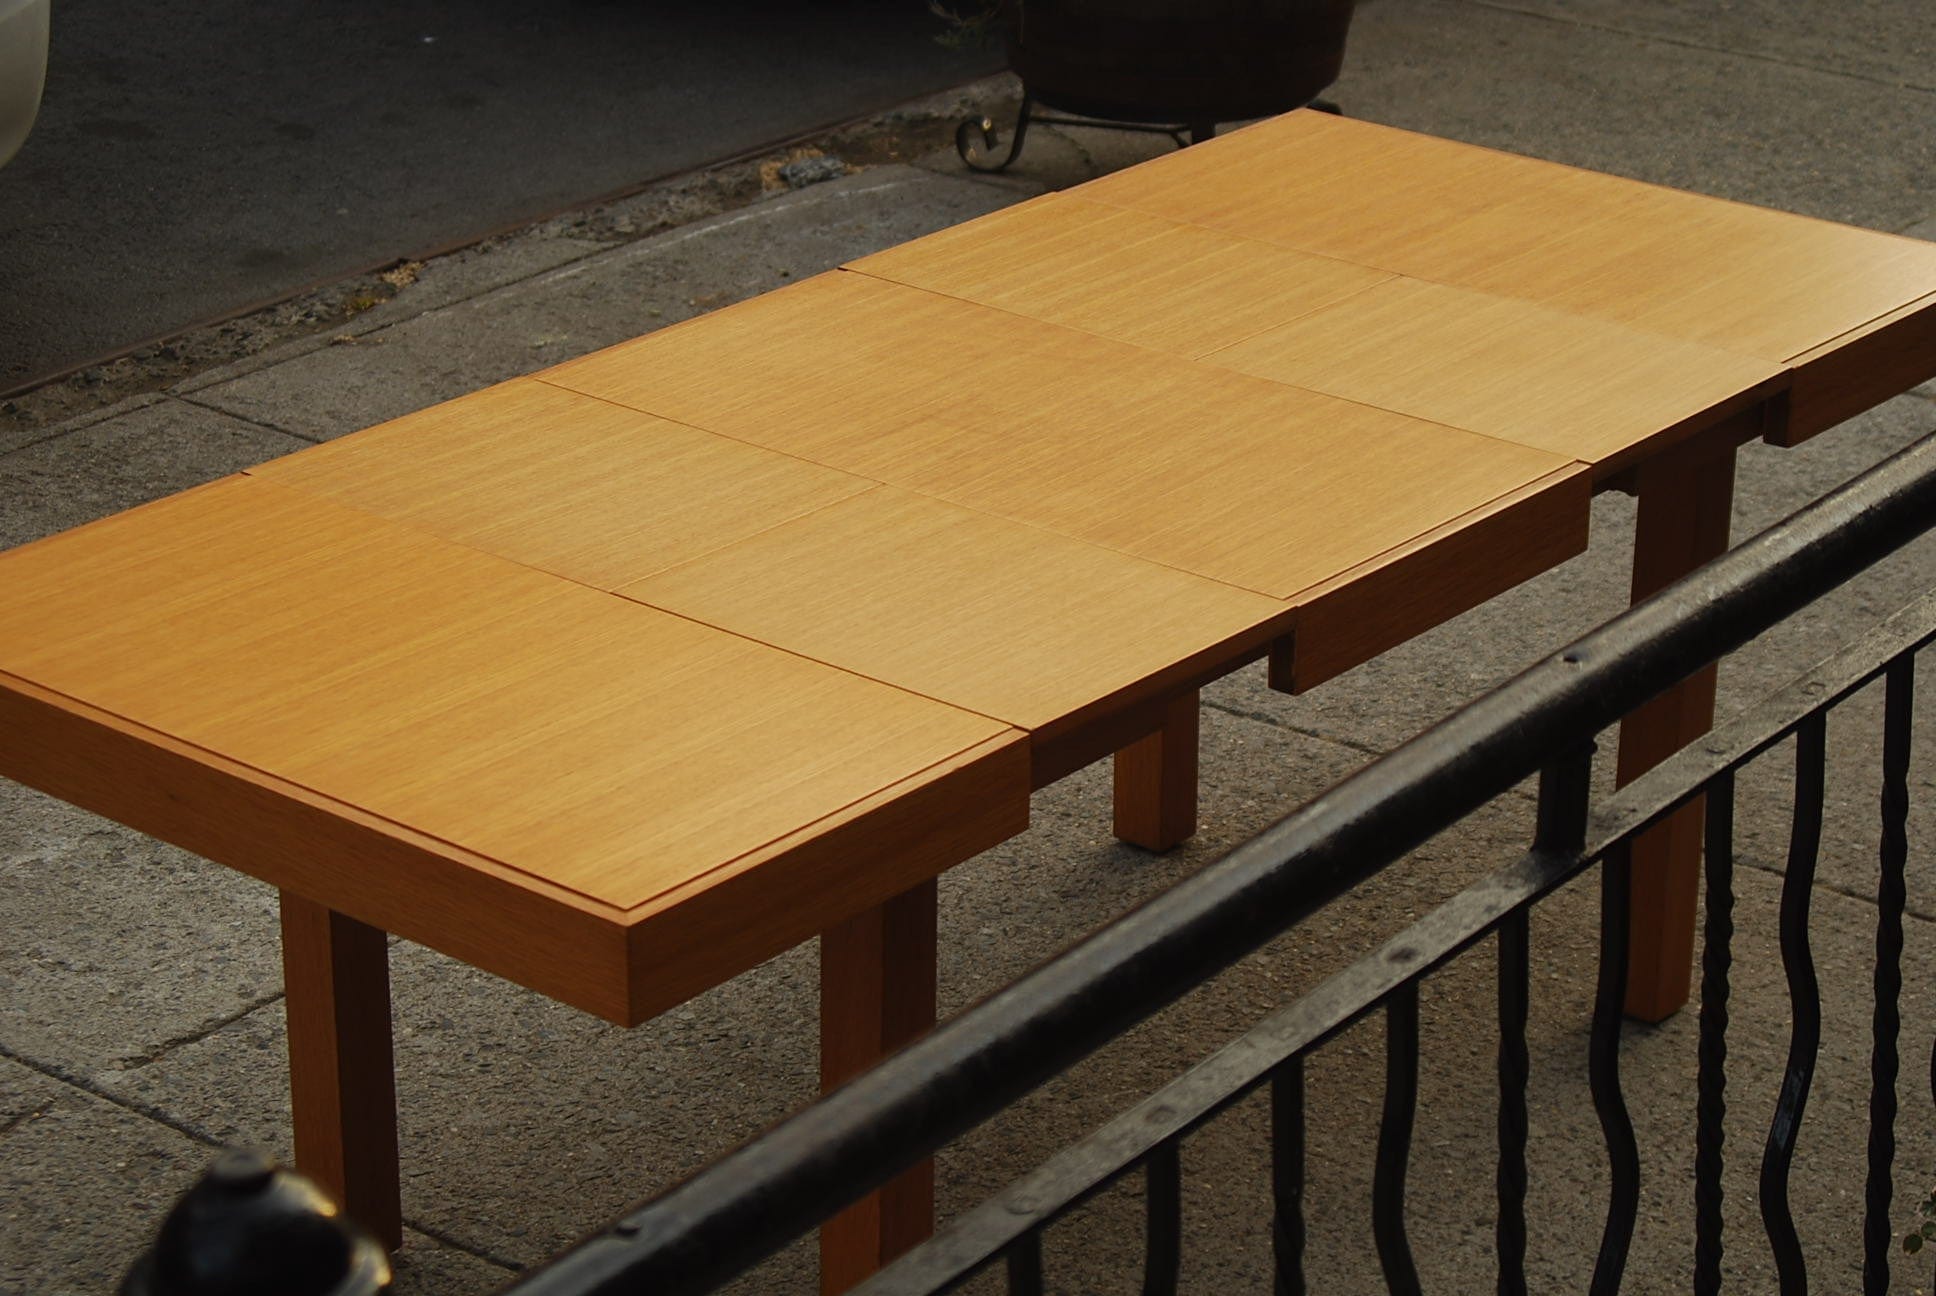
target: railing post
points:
(1163, 1220)
(1898, 720)
(1515, 1070)
(1564, 790)
(1287, 1178)
(1395, 1143)
(1560, 830)
(755, 1199)
(1711, 1081)
(1603, 1073)
(1804, 1004)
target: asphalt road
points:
(192, 161)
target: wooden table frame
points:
(1685, 500)
(878, 968)
(1235, 393)
(877, 993)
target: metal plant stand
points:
(983, 128)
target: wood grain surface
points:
(838, 359)
(1248, 482)
(698, 934)
(562, 482)
(1242, 480)
(1766, 284)
(1354, 616)
(580, 737)
(993, 616)
(898, 540)
(342, 856)
(1860, 369)
(1128, 275)
(620, 680)
(1576, 386)
(1769, 284)
(1337, 187)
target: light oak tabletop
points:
(1254, 483)
(598, 754)
(1810, 296)
(622, 677)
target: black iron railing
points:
(1569, 842)
(745, 1206)
(729, 1216)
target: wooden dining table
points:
(620, 678)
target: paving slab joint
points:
(144, 1110)
(1277, 722)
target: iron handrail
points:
(1423, 947)
(754, 1200)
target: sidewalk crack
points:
(1836, 888)
(1276, 722)
(148, 1111)
(168, 1046)
(1685, 43)
(74, 1080)
(189, 398)
(455, 1243)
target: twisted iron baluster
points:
(1395, 1142)
(1515, 970)
(1711, 1105)
(1287, 1177)
(1025, 1264)
(1603, 1073)
(1899, 701)
(1805, 1005)
(1564, 788)
(1163, 1196)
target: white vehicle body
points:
(23, 69)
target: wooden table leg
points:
(1682, 523)
(342, 1080)
(877, 987)
(1156, 781)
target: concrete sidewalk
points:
(140, 998)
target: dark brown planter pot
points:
(1191, 61)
